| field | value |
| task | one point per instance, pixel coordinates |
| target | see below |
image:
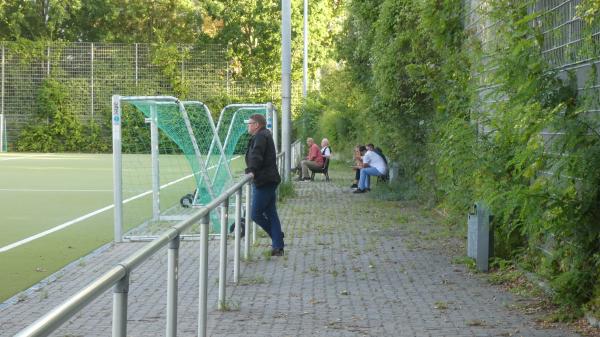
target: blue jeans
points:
(264, 212)
(365, 173)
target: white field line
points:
(38, 190)
(5, 157)
(89, 215)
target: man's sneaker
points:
(359, 191)
(277, 252)
(354, 186)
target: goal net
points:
(173, 159)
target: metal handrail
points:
(118, 276)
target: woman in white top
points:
(325, 149)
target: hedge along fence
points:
(493, 101)
(83, 77)
(537, 149)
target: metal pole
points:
(223, 254)
(92, 79)
(2, 135)
(305, 55)
(275, 123)
(203, 280)
(120, 292)
(172, 286)
(248, 221)
(48, 63)
(155, 163)
(236, 253)
(182, 66)
(136, 64)
(1, 132)
(227, 79)
(286, 86)
(3, 62)
(117, 167)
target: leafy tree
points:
(57, 128)
(252, 30)
(175, 21)
(38, 19)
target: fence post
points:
(172, 286)
(223, 254)
(136, 65)
(236, 254)
(3, 62)
(120, 292)
(248, 222)
(154, 144)
(48, 61)
(203, 279)
(92, 80)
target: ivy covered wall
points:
(494, 101)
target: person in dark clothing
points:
(261, 164)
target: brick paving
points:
(351, 269)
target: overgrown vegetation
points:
(475, 115)
(56, 128)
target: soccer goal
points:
(169, 158)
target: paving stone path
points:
(354, 266)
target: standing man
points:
(261, 164)
(314, 160)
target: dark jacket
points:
(260, 159)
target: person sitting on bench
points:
(325, 149)
(313, 160)
(358, 150)
(373, 165)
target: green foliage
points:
(38, 19)
(412, 82)
(168, 58)
(56, 128)
(62, 131)
(252, 29)
(101, 20)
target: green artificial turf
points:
(41, 191)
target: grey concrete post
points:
(286, 83)
(305, 54)
(248, 221)
(236, 254)
(172, 286)
(120, 294)
(203, 279)
(223, 254)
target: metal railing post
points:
(236, 253)
(223, 254)
(203, 279)
(120, 294)
(172, 286)
(248, 222)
